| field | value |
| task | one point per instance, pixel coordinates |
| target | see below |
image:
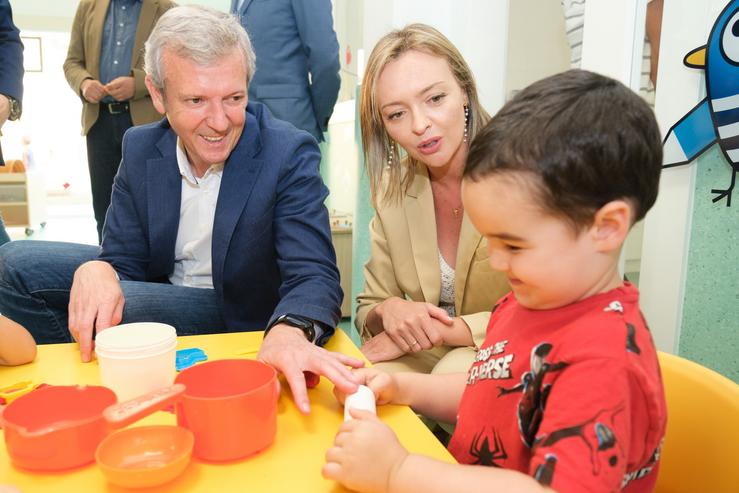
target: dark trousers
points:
(103, 158)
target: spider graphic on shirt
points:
(596, 433)
(535, 393)
(481, 450)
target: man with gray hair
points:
(216, 220)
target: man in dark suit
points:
(216, 221)
(297, 75)
(11, 79)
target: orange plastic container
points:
(230, 406)
(145, 456)
(59, 427)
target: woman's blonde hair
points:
(376, 142)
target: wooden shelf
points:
(22, 200)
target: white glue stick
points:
(363, 398)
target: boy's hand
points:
(366, 454)
(383, 385)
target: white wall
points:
(51, 119)
(613, 39)
(685, 26)
(478, 28)
(537, 45)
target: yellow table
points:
(293, 462)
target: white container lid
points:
(136, 339)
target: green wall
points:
(363, 213)
(710, 328)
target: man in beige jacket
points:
(104, 66)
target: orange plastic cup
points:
(145, 456)
(230, 406)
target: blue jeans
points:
(36, 276)
(4, 238)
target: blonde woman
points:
(428, 284)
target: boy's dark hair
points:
(588, 138)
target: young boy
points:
(565, 394)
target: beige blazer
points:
(404, 261)
(83, 56)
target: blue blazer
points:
(11, 55)
(272, 251)
(294, 38)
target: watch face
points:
(302, 323)
(15, 109)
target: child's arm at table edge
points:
(435, 396)
(18, 346)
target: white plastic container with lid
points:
(136, 358)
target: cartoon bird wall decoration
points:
(716, 118)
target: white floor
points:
(66, 220)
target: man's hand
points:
(287, 349)
(366, 454)
(121, 88)
(95, 302)
(4, 109)
(92, 90)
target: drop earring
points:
(390, 153)
(466, 120)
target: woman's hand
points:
(412, 325)
(366, 454)
(381, 348)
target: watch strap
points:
(305, 324)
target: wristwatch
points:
(305, 324)
(15, 108)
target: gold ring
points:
(414, 343)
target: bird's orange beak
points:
(696, 58)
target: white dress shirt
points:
(192, 252)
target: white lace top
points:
(446, 300)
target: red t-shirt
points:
(571, 396)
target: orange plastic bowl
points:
(145, 456)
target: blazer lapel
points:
(239, 176)
(164, 186)
(469, 240)
(97, 25)
(143, 28)
(419, 207)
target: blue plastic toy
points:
(185, 358)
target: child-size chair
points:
(701, 449)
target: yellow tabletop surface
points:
(293, 462)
